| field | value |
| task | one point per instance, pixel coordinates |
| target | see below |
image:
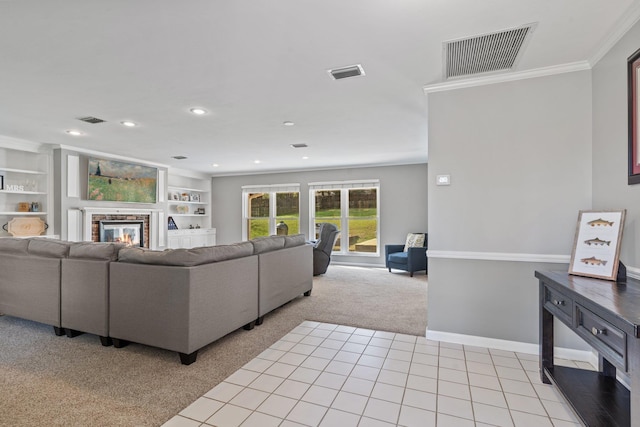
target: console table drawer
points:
(558, 304)
(607, 338)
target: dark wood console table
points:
(607, 316)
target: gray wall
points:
(403, 201)
(610, 188)
(519, 156)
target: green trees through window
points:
(354, 211)
(263, 217)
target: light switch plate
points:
(443, 179)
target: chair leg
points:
(411, 274)
(389, 269)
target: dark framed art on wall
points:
(633, 94)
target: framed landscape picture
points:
(596, 249)
(115, 181)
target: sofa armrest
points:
(390, 249)
(417, 259)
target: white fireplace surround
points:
(80, 229)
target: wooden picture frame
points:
(633, 94)
(596, 249)
(115, 181)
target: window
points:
(353, 207)
(269, 210)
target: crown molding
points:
(22, 144)
(109, 155)
(509, 77)
(620, 28)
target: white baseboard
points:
(357, 264)
(515, 346)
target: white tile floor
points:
(338, 376)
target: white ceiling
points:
(255, 64)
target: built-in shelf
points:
(178, 202)
(22, 192)
(23, 213)
(25, 171)
(182, 189)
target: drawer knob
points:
(558, 302)
(596, 331)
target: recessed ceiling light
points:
(215, 165)
(257, 162)
(198, 111)
(128, 123)
(288, 123)
(75, 132)
(305, 157)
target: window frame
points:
(272, 190)
(344, 187)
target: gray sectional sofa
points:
(177, 299)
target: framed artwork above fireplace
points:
(114, 181)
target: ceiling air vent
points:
(499, 51)
(301, 145)
(90, 119)
(345, 72)
(179, 157)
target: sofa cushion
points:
(267, 244)
(49, 248)
(14, 245)
(399, 257)
(414, 240)
(95, 250)
(294, 240)
(186, 257)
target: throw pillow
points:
(414, 240)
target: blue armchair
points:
(414, 259)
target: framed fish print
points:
(633, 100)
(596, 249)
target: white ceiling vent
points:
(499, 51)
(345, 72)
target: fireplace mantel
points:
(157, 223)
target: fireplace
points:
(130, 232)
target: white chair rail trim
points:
(632, 272)
(500, 256)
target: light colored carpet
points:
(57, 381)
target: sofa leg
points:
(106, 341)
(118, 343)
(249, 326)
(308, 293)
(411, 274)
(259, 320)
(58, 331)
(188, 359)
(72, 333)
(389, 269)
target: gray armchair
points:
(323, 247)
(414, 259)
